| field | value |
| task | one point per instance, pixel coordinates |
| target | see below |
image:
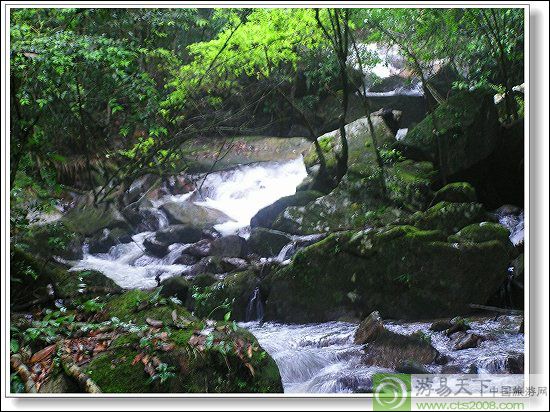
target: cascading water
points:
(242, 191)
(322, 358)
(239, 193)
(312, 358)
(255, 307)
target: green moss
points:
(114, 373)
(482, 232)
(403, 272)
(458, 192)
(450, 217)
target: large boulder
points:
(467, 128)
(267, 242)
(358, 200)
(87, 219)
(190, 214)
(266, 216)
(402, 271)
(102, 241)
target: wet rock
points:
(229, 246)
(178, 234)
(190, 214)
(369, 329)
(467, 340)
(142, 219)
(154, 247)
(175, 286)
(208, 264)
(441, 325)
(200, 249)
(186, 259)
(103, 241)
(458, 324)
(267, 242)
(459, 192)
(516, 363)
(473, 369)
(211, 234)
(392, 350)
(266, 216)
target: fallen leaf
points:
(138, 357)
(250, 368)
(42, 354)
(154, 323)
(249, 351)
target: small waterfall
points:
(255, 307)
(514, 222)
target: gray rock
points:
(178, 234)
(199, 249)
(155, 248)
(229, 246)
(188, 213)
(369, 329)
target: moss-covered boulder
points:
(159, 347)
(467, 129)
(88, 219)
(402, 271)
(231, 294)
(358, 200)
(483, 232)
(449, 217)
(34, 279)
(359, 140)
(458, 192)
(190, 214)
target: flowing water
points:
(322, 358)
(312, 358)
(239, 193)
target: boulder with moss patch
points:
(458, 192)
(467, 128)
(402, 271)
(449, 217)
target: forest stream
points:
(311, 358)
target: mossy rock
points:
(483, 232)
(359, 201)
(458, 192)
(468, 130)
(265, 216)
(402, 271)
(87, 219)
(449, 217)
(195, 369)
(236, 288)
(30, 277)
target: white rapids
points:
(322, 358)
(239, 193)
